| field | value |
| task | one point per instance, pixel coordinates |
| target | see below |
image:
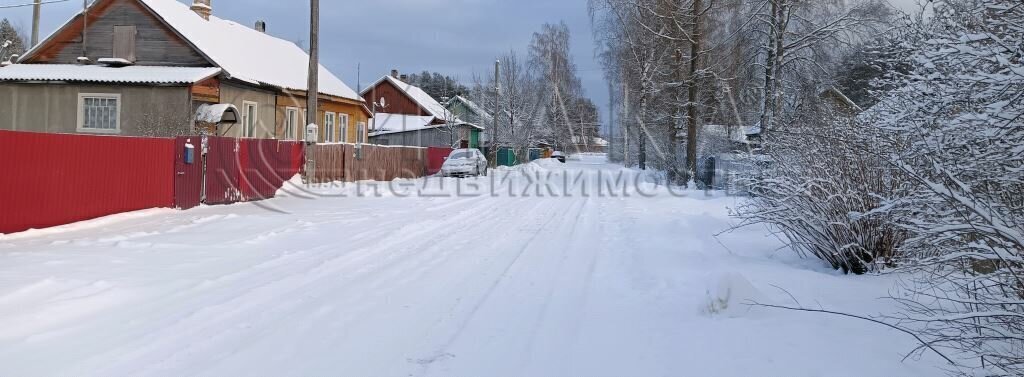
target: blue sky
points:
(455, 37)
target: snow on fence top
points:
(95, 73)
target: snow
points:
(421, 98)
(386, 123)
(97, 73)
(213, 113)
(504, 279)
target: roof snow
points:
(97, 73)
(596, 141)
(424, 100)
(244, 53)
(384, 123)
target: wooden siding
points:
(356, 113)
(397, 101)
(155, 43)
(53, 108)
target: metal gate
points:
(188, 172)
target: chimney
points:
(203, 8)
(261, 26)
(404, 77)
(394, 73)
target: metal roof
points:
(105, 74)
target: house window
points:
(343, 126)
(361, 132)
(329, 127)
(291, 121)
(249, 117)
(99, 113)
(124, 42)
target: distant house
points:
(589, 144)
(406, 115)
(161, 68)
(473, 113)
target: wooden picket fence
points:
(350, 163)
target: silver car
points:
(464, 162)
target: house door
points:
(188, 172)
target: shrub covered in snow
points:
(820, 179)
(957, 125)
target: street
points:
(448, 277)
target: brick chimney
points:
(394, 73)
(261, 26)
(203, 8)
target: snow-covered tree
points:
(956, 124)
(11, 41)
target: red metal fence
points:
(52, 179)
(435, 158)
(249, 169)
(55, 179)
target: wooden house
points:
(403, 114)
(147, 67)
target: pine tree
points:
(9, 34)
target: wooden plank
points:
(124, 42)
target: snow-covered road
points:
(431, 282)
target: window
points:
(329, 127)
(343, 126)
(124, 42)
(249, 117)
(291, 122)
(361, 133)
(99, 113)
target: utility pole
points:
(611, 118)
(313, 94)
(312, 87)
(497, 99)
(36, 9)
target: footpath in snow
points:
(531, 271)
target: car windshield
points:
(459, 155)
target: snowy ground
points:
(426, 282)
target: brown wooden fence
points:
(349, 163)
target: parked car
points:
(464, 162)
(558, 156)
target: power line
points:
(32, 4)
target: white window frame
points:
(361, 132)
(245, 119)
(329, 127)
(343, 123)
(81, 113)
(291, 115)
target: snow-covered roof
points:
(421, 98)
(98, 73)
(385, 123)
(244, 53)
(596, 141)
(738, 134)
(472, 106)
(215, 113)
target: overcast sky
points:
(455, 37)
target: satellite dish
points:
(383, 102)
